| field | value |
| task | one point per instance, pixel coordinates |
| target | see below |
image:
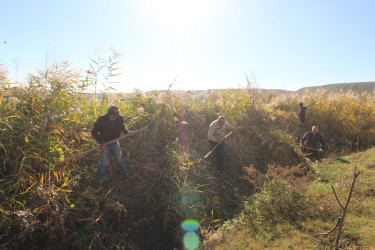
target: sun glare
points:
(180, 17)
(180, 12)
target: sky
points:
(195, 44)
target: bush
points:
(277, 202)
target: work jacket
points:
(216, 132)
(104, 130)
(311, 141)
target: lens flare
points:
(191, 240)
(190, 225)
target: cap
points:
(113, 110)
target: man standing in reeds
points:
(107, 128)
(301, 114)
(216, 135)
(310, 143)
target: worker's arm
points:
(96, 130)
(321, 141)
(302, 142)
(123, 128)
(235, 128)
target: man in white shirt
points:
(216, 135)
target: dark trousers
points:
(312, 154)
(301, 121)
(218, 153)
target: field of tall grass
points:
(48, 197)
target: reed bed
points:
(47, 206)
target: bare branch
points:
(339, 229)
(337, 197)
(333, 229)
(340, 220)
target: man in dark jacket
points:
(310, 142)
(108, 127)
(301, 114)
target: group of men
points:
(108, 128)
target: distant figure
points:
(309, 143)
(216, 135)
(107, 128)
(301, 114)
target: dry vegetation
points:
(296, 216)
(45, 205)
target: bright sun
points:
(180, 17)
(179, 13)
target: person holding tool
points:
(107, 128)
(216, 137)
(309, 143)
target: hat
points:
(113, 110)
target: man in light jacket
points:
(216, 135)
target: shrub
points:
(277, 202)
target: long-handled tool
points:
(314, 149)
(97, 147)
(209, 153)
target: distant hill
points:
(358, 87)
(275, 91)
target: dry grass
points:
(50, 120)
(319, 214)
